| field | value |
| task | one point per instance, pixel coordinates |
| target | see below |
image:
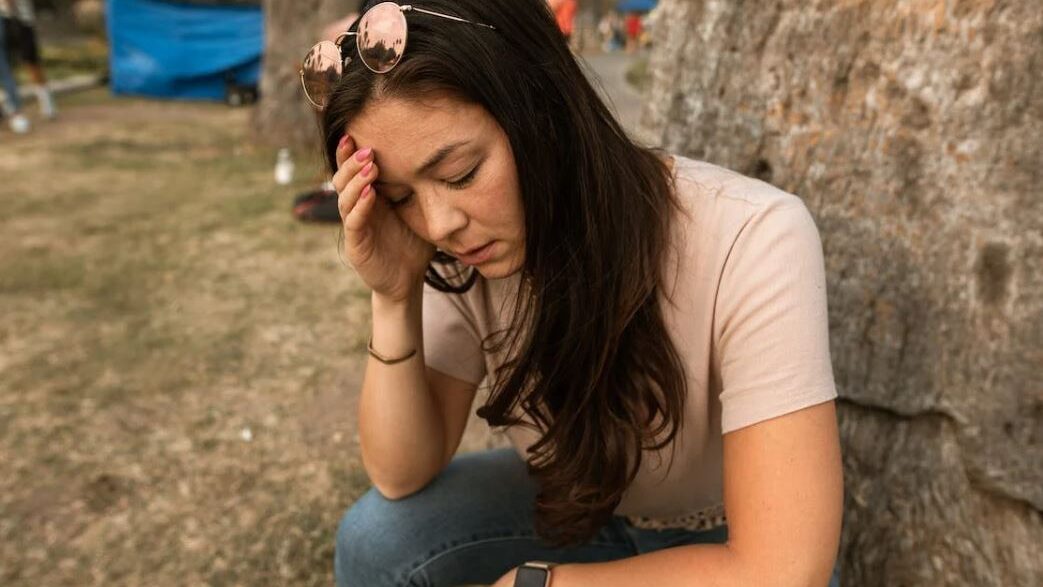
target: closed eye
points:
(400, 202)
(457, 184)
(466, 180)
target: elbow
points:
(809, 576)
(794, 579)
(393, 493)
(803, 570)
(395, 481)
(812, 578)
(397, 489)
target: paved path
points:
(610, 69)
(70, 84)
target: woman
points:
(19, 18)
(651, 329)
(565, 15)
(10, 102)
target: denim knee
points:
(373, 546)
(384, 542)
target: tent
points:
(636, 5)
(189, 49)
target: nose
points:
(442, 217)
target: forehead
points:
(404, 133)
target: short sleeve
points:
(452, 340)
(771, 326)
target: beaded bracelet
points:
(385, 360)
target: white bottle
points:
(19, 124)
(283, 167)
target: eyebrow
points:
(438, 156)
(433, 161)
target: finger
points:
(344, 149)
(360, 213)
(351, 166)
(348, 196)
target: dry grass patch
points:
(159, 302)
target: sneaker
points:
(19, 124)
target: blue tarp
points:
(182, 50)
(636, 5)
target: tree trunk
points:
(913, 130)
(283, 116)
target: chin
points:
(499, 270)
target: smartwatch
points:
(533, 574)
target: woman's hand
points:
(387, 255)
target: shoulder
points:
(729, 220)
(703, 186)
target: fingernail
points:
(366, 169)
(343, 141)
(366, 191)
(361, 155)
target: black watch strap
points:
(533, 574)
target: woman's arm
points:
(784, 496)
(411, 418)
(783, 493)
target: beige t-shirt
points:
(748, 319)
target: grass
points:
(159, 300)
(71, 57)
(88, 55)
(638, 75)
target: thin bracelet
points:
(385, 360)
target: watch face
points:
(530, 577)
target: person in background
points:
(611, 30)
(565, 15)
(12, 103)
(633, 28)
(19, 20)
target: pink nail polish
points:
(367, 169)
(361, 155)
(343, 141)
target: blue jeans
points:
(472, 524)
(7, 82)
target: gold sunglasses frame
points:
(381, 10)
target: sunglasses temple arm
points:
(456, 18)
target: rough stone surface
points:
(283, 116)
(914, 132)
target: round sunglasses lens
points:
(322, 69)
(382, 37)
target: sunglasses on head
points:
(380, 41)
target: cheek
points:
(515, 212)
(413, 218)
(503, 206)
(498, 212)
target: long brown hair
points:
(591, 361)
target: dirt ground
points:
(179, 357)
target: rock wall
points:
(283, 116)
(914, 132)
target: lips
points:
(470, 252)
(476, 255)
